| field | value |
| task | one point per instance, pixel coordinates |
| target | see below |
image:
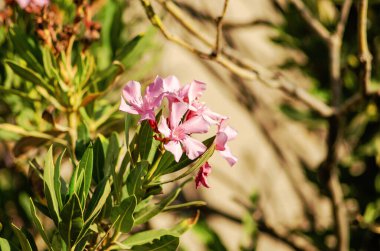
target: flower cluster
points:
(187, 115)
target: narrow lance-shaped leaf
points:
(150, 235)
(37, 223)
(72, 220)
(165, 243)
(86, 165)
(25, 245)
(57, 180)
(95, 205)
(152, 210)
(28, 74)
(145, 140)
(135, 179)
(49, 186)
(100, 150)
(125, 213)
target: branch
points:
(236, 65)
(314, 23)
(364, 54)
(219, 26)
(343, 18)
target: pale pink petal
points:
(175, 148)
(178, 109)
(132, 91)
(171, 84)
(40, 2)
(221, 141)
(230, 132)
(147, 115)
(23, 3)
(227, 155)
(163, 127)
(193, 147)
(127, 108)
(201, 178)
(213, 117)
(196, 90)
(195, 125)
(155, 89)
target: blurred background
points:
(273, 198)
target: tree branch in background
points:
(345, 11)
(314, 23)
(219, 27)
(364, 54)
(243, 68)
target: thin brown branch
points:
(364, 53)
(312, 21)
(219, 27)
(241, 67)
(345, 11)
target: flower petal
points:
(201, 178)
(221, 141)
(127, 108)
(196, 90)
(177, 110)
(171, 84)
(155, 89)
(175, 148)
(132, 91)
(193, 147)
(195, 125)
(163, 127)
(227, 155)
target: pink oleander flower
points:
(177, 133)
(225, 134)
(132, 101)
(33, 3)
(201, 178)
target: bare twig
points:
(313, 22)
(364, 54)
(343, 17)
(219, 27)
(241, 67)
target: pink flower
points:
(178, 133)
(33, 3)
(132, 101)
(225, 134)
(201, 178)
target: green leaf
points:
(72, 220)
(152, 210)
(100, 149)
(4, 245)
(145, 139)
(136, 178)
(95, 205)
(125, 213)
(37, 223)
(127, 126)
(165, 243)
(49, 186)
(112, 154)
(150, 236)
(50, 65)
(29, 75)
(197, 164)
(128, 48)
(57, 179)
(25, 245)
(85, 166)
